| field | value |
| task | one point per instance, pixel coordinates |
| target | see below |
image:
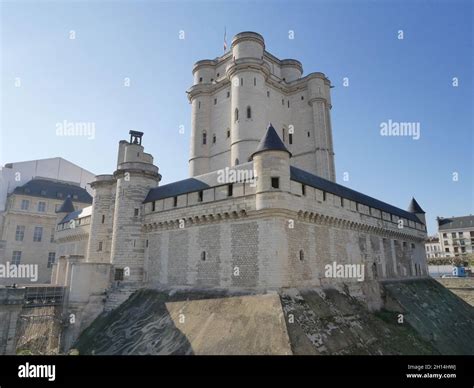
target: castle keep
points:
(261, 209)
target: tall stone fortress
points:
(260, 210)
(235, 96)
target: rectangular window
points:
(324, 197)
(200, 196)
(136, 212)
(445, 235)
(276, 183)
(175, 201)
(25, 204)
(215, 101)
(51, 240)
(228, 94)
(230, 190)
(153, 206)
(41, 206)
(103, 218)
(51, 259)
(38, 233)
(100, 246)
(16, 257)
(290, 138)
(303, 189)
(20, 233)
(119, 274)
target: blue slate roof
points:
(67, 206)
(270, 142)
(317, 182)
(455, 223)
(176, 188)
(87, 211)
(414, 207)
(46, 188)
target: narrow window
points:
(324, 195)
(276, 183)
(20, 233)
(214, 139)
(100, 246)
(255, 81)
(241, 82)
(200, 79)
(175, 201)
(215, 101)
(218, 75)
(38, 234)
(16, 257)
(282, 101)
(268, 93)
(135, 212)
(119, 274)
(236, 114)
(301, 255)
(204, 138)
(290, 138)
(249, 112)
(342, 202)
(283, 131)
(302, 98)
(228, 133)
(236, 162)
(230, 190)
(103, 218)
(51, 259)
(25, 204)
(153, 206)
(228, 94)
(303, 189)
(146, 243)
(41, 206)
(309, 134)
(200, 196)
(203, 256)
(199, 104)
(288, 103)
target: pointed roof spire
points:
(414, 207)
(270, 142)
(67, 206)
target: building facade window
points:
(203, 255)
(119, 274)
(99, 248)
(275, 182)
(38, 234)
(290, 138)
(51, 240)
(204, 138)
(236, 114)
(25, 204)
(228, 133)
(175, 201)
(20, 233)
(301, 255)
(51, 259)
(214, 139)
(41, 206)
(230, 190)
(249, 112)
(16, 257)
(200, 196)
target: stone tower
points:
(135, 176)
(234, 96)
(272, 169)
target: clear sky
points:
(47, 78)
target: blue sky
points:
(409, 80)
